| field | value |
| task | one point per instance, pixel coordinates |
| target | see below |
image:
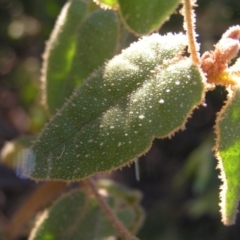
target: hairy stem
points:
(123, 231)
(189, 26)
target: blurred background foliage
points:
(177, 176)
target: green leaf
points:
(107, 4)
(145, 16)
(60, 51)
(84, 220)
(228, 153)
(109, 121)
(96, 43)
(79, 43)
(126, 204)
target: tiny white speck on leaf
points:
(141, 116)
(161, 101)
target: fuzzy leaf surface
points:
(109, 121)
(74, 51)
(84, 220)
(145, 16)
(228, 153)
(96, 42)
(60, 50)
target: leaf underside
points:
(144, 92)
(228, 153)
(84, 220)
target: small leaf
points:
(107, 4)
(228, 153)
(40, 197)
(84, 220)
(109, 121)
(96, 43)
(59, 52)
(143, 17)
(79, 43)
(126, 201)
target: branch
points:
(189, 26)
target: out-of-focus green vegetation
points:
(25, 27)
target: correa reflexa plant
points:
(106, 105)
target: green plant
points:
(148, 90)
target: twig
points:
(123, 231)
(189, 26)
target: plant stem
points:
(189, 26)
(123, 231)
